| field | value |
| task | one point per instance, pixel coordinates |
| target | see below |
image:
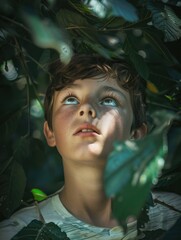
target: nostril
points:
(90, 112)
(81, 113)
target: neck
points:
(83, 195)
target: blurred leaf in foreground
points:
(133, 167)
(40, 231)
(117, 8)
(47, 35)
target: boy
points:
(90, 103)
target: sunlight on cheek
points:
(116, 125)
(111, 123)
(112, 129)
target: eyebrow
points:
(103, 89)
(111, 89)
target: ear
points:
(49, 135)
(139, 132)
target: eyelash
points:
(103, 97)
(68, 95)
(111, 95)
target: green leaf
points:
(113, 8)
(166, 20)
(12, 182)
(15, 103)
(38, 194)
(155, 43)
(171, 174)
(77, 25)
(47, 35)
(161, 79)
(87, 35)
(123, 9)
(40, 231)
(9, 125)
(143, 216)
(72, 20)
(135, 58)
(13, 178)
(11, 112)
(98, 48)
(133, 167)
(170, 182)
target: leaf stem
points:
(39, 213)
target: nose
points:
(87, 110)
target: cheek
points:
(116, 125)
(62, 117)
(61, 122)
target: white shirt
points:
(53, 211)
(161, 217)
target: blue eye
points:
(71, 101)
(109, 102)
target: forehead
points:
(98, 84)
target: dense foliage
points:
(32, 34)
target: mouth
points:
(87, 129)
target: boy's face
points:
(87, 117)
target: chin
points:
(91, 157)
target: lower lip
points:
(86, 134)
